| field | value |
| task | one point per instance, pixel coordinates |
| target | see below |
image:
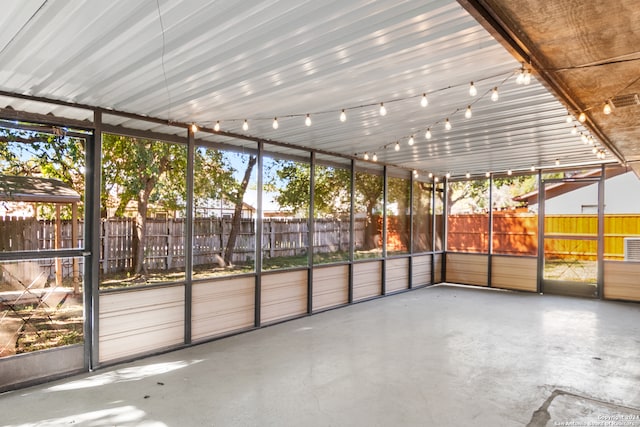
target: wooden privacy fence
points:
(517, 234)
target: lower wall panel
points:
(283, 295)
(40, 365)
(396, 274)
(513, 272)
(420, 270)
(330, 286)
(367, 280)
(467, 269)
(622, 280)
(222, 306)
(140, 321)
(437, 268)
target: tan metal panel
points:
(467, 269)
(512, 272)
(222, 306)
(397, 274)
(141, 321)
(330, 286)
(283, 295)
(621, 280)
(367, 280)
(421, 270)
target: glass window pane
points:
(332, 206)
(143, 207)
(285, 209)
(422, 216)
(515, 223)
(41, 304)
(398, 215)
(468, 219)
(439, 217)
(41, 189)
(368, 215)
(224, 211)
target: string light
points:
(343, 116)
(383, 110)
(448, 175)
(574, 130)
(509, 172)
(527, 77)
(582, 117)
(606, 109)
(569, 118)
(216, 127)
(520, 78)
(533, 168)
(245, 125)
(194, 128)
(468, 175)
(397, 146)
(430, 175)
(307, 121)
(447, 124)
(375, 157)
(487, 174)
(467, 114)
(494, 94)
(427, 134)
(435, 179)
(584, 138)
(424, 101)
(275, 123)
(411, 140)
(557, 162)
(594, 150)
(366, 156)
(472, 89)
(415, 173)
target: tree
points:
(144, 171)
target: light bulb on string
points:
(494, 94)
(606, 109)
(343, 116)
(487, 174)
(430, 175)
(216, 127)
(415, 173)
(411, 141)
(467, 175)
(275, 123)
(557, 162)
(447, 124)
(366, 156)
(509, 172)
(448, 175)
(424, 102)
(520, 78)
(245, 125)
(527, 77)
(427, 134)
(533, 168)
(590, 140)
(467, 114)
(397, 146)
(594, 150)
(569, 118)
(383, 110)
(307, 120)
(435, 179)
(375, 157)
(574, 130)
(582, 117)
(584, 138)
(472, 89)
(194, 128)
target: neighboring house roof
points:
(560, 188)
(36, 189)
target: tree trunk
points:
(371, 229)
(141, 226)
(236, 221)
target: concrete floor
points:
(441, 356)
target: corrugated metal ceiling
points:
(206, 61)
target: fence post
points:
(169, 252)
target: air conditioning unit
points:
(632, 248)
